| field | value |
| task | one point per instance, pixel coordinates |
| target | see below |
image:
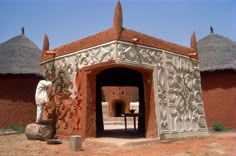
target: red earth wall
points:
(219, 97)
(17, 100)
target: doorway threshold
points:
(120, 137)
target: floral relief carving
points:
(182, 93)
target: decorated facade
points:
(166, 74)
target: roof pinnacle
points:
(193, 42)
(45, 43)
(118, 18)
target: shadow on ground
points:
(121, 134)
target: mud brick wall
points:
(17, 104)
(219, 97)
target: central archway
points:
(119, 76)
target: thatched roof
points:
(19, 55)
(216, 53)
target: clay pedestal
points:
(75, 143)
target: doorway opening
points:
(119, 109)
(119, 78)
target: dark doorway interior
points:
(119, 109)
(119, 76)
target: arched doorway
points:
(119, 76)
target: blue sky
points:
(65, 21)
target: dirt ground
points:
(217, 144)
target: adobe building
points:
(217, 55)
(166, 74)
(119, 100)
(19, 75)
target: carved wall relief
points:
(64, 109)
(94, 56)
(77, 60)
(137, 54)
(179, 89)
(162, 92)
(64, 106)
(65, 102)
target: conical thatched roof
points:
(216, 53)
(19, 55)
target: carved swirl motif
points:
(66, 65)
(49, 70)
(79, 60)
(181, 90)
(161, 77)
(137, 54)
(62, 108)
(94, 56)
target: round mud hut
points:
(217, 56)
(19, 75)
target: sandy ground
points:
(217, 144)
